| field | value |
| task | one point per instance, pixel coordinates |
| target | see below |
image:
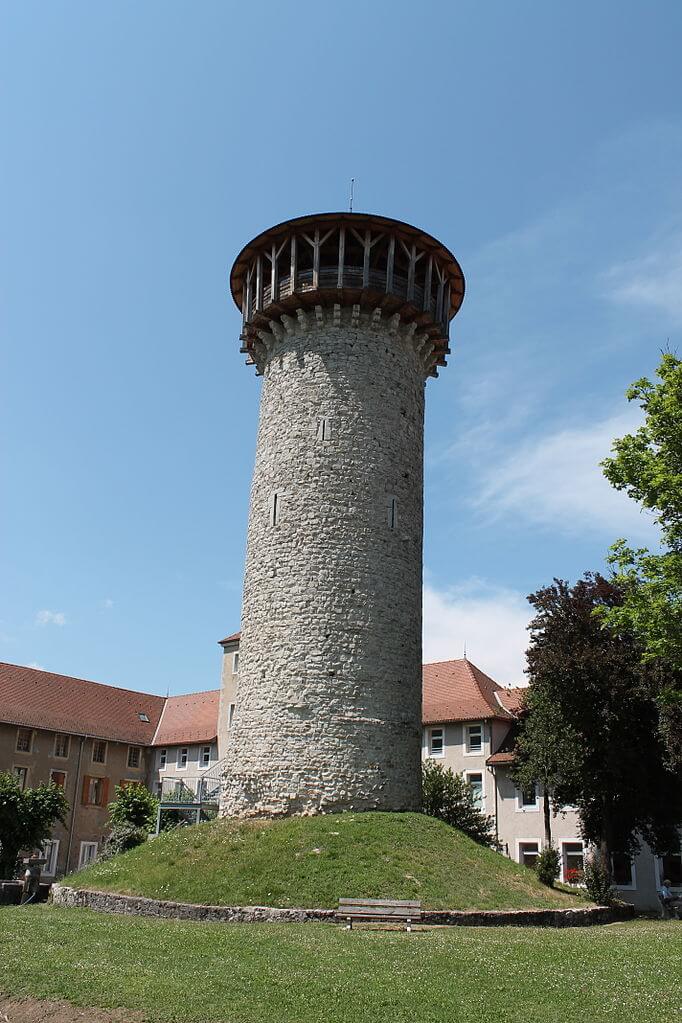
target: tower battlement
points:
(347, 259)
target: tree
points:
(134, 805)
(26, 819)
(589, 705)
(132, 817)
(539, 759)
(647, 465)
(449, 797)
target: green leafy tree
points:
(647, 465)
(26, 819)
(134, 805)
(449, 797)
(589, 703)
(539, 759)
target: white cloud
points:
(107, 603)
(490, 620)
(654, 281)
(555, 480)
(50, 618)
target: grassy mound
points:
(312, 861)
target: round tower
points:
(345, 316)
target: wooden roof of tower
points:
(430, 295)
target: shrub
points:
(597, 880)
(121, 838)
(135, 806)
(448, 797)
(547, 865)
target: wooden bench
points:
(379, 909)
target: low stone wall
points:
(135, 905)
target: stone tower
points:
(345, 316)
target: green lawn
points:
(287, 973)
(312, 861)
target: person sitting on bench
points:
(671, 903)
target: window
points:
(58, 778)
(51, 852)
(324, 429)
(61, 745)
(205, 756)
(436, 746)
(393, 513)
(143, 717)
(572, 862)
(22, 774)
(528, 853)
(235, 662)
(275, 508)
(527, 799)
(474, 738)
(475, 783)
(88, 853)
(670, 869)
(99, 751)
(623, 871)
(24, 740)
(134, 753)
(230, 716)
(163, 758)
(95, 791)
(183, 755)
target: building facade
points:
(89, 737)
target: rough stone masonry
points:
(328, 703)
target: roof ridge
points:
(195, 692)
(87, 681)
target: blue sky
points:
(144, 144)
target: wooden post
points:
(426, 304)
(316, 260)
(439, 301)
(410, 272)
(342, 252)
(273, 275)
(292, 268)
(446, 310)
(365, 261)
(389, 263)
(246, 304)
(259, 283)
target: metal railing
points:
(201, 791)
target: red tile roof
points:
(190, 718)
(513, 698)
(34, 698)
(459, 691)
(230, 639)
(501, 757)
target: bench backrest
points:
(400, 909)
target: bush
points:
(121, 838)
(134, 806)
(547, 865)
(448, 797)
(597, 880)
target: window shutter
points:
(105, 791)
(86, 789)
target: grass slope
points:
(312, 861)
(204, 973)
